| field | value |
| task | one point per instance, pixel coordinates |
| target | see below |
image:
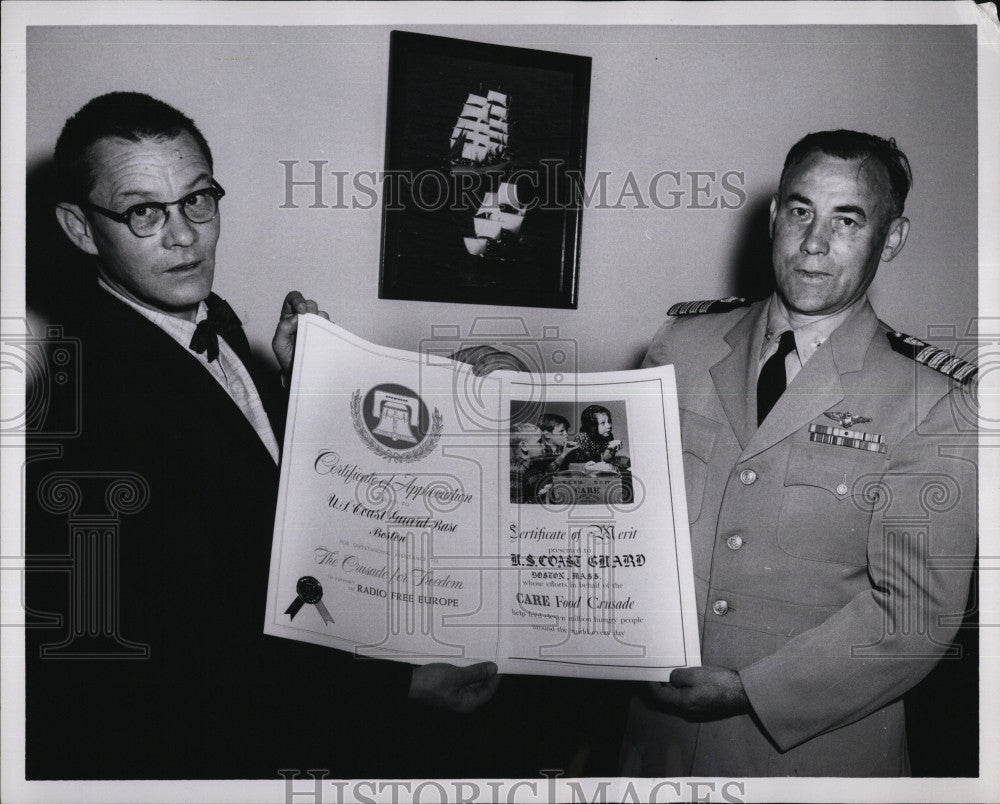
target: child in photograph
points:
(556, 440)
(528, 463)
(596, 443)
(555, 432)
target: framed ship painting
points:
(485, 150)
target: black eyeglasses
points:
(147, 218)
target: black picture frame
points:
(467, 121)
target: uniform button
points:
(842, 489)
(720, 607)
(734, 542)
(748, 476)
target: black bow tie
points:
(221, 320)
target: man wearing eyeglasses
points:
(157, 257)
(170, 675)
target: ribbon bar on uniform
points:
(821, 435)
(824, 429)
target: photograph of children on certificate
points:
(555, 462)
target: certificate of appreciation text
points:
(426, 514)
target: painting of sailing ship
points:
(486, 145)
(480, 137)
(480, 144)
(500, 216)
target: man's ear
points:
(774, 213)
(76, 226)
(895, 238)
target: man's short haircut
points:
(844, 144)
(550, 421)
(128, 115)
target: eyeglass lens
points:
(198, 207)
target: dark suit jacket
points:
(152, 530)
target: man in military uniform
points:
(831, 495)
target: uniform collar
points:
(815, 389)
(809, 335)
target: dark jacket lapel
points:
(156, 357)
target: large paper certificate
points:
(425, 516)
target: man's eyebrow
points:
(798, 197)
(199, 181)
(853, 209)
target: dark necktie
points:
(221, 320)
(771, 382)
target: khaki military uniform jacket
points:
(832, 577)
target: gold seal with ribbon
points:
(308, 590)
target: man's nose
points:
(178, 230)
(816, 239)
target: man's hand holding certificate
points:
(430, 516)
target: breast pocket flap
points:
(832, 468)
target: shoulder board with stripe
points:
(708, 306)
(933, 357)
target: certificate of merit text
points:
(426, 514)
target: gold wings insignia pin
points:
(846, 419)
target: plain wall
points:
(662, 98)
